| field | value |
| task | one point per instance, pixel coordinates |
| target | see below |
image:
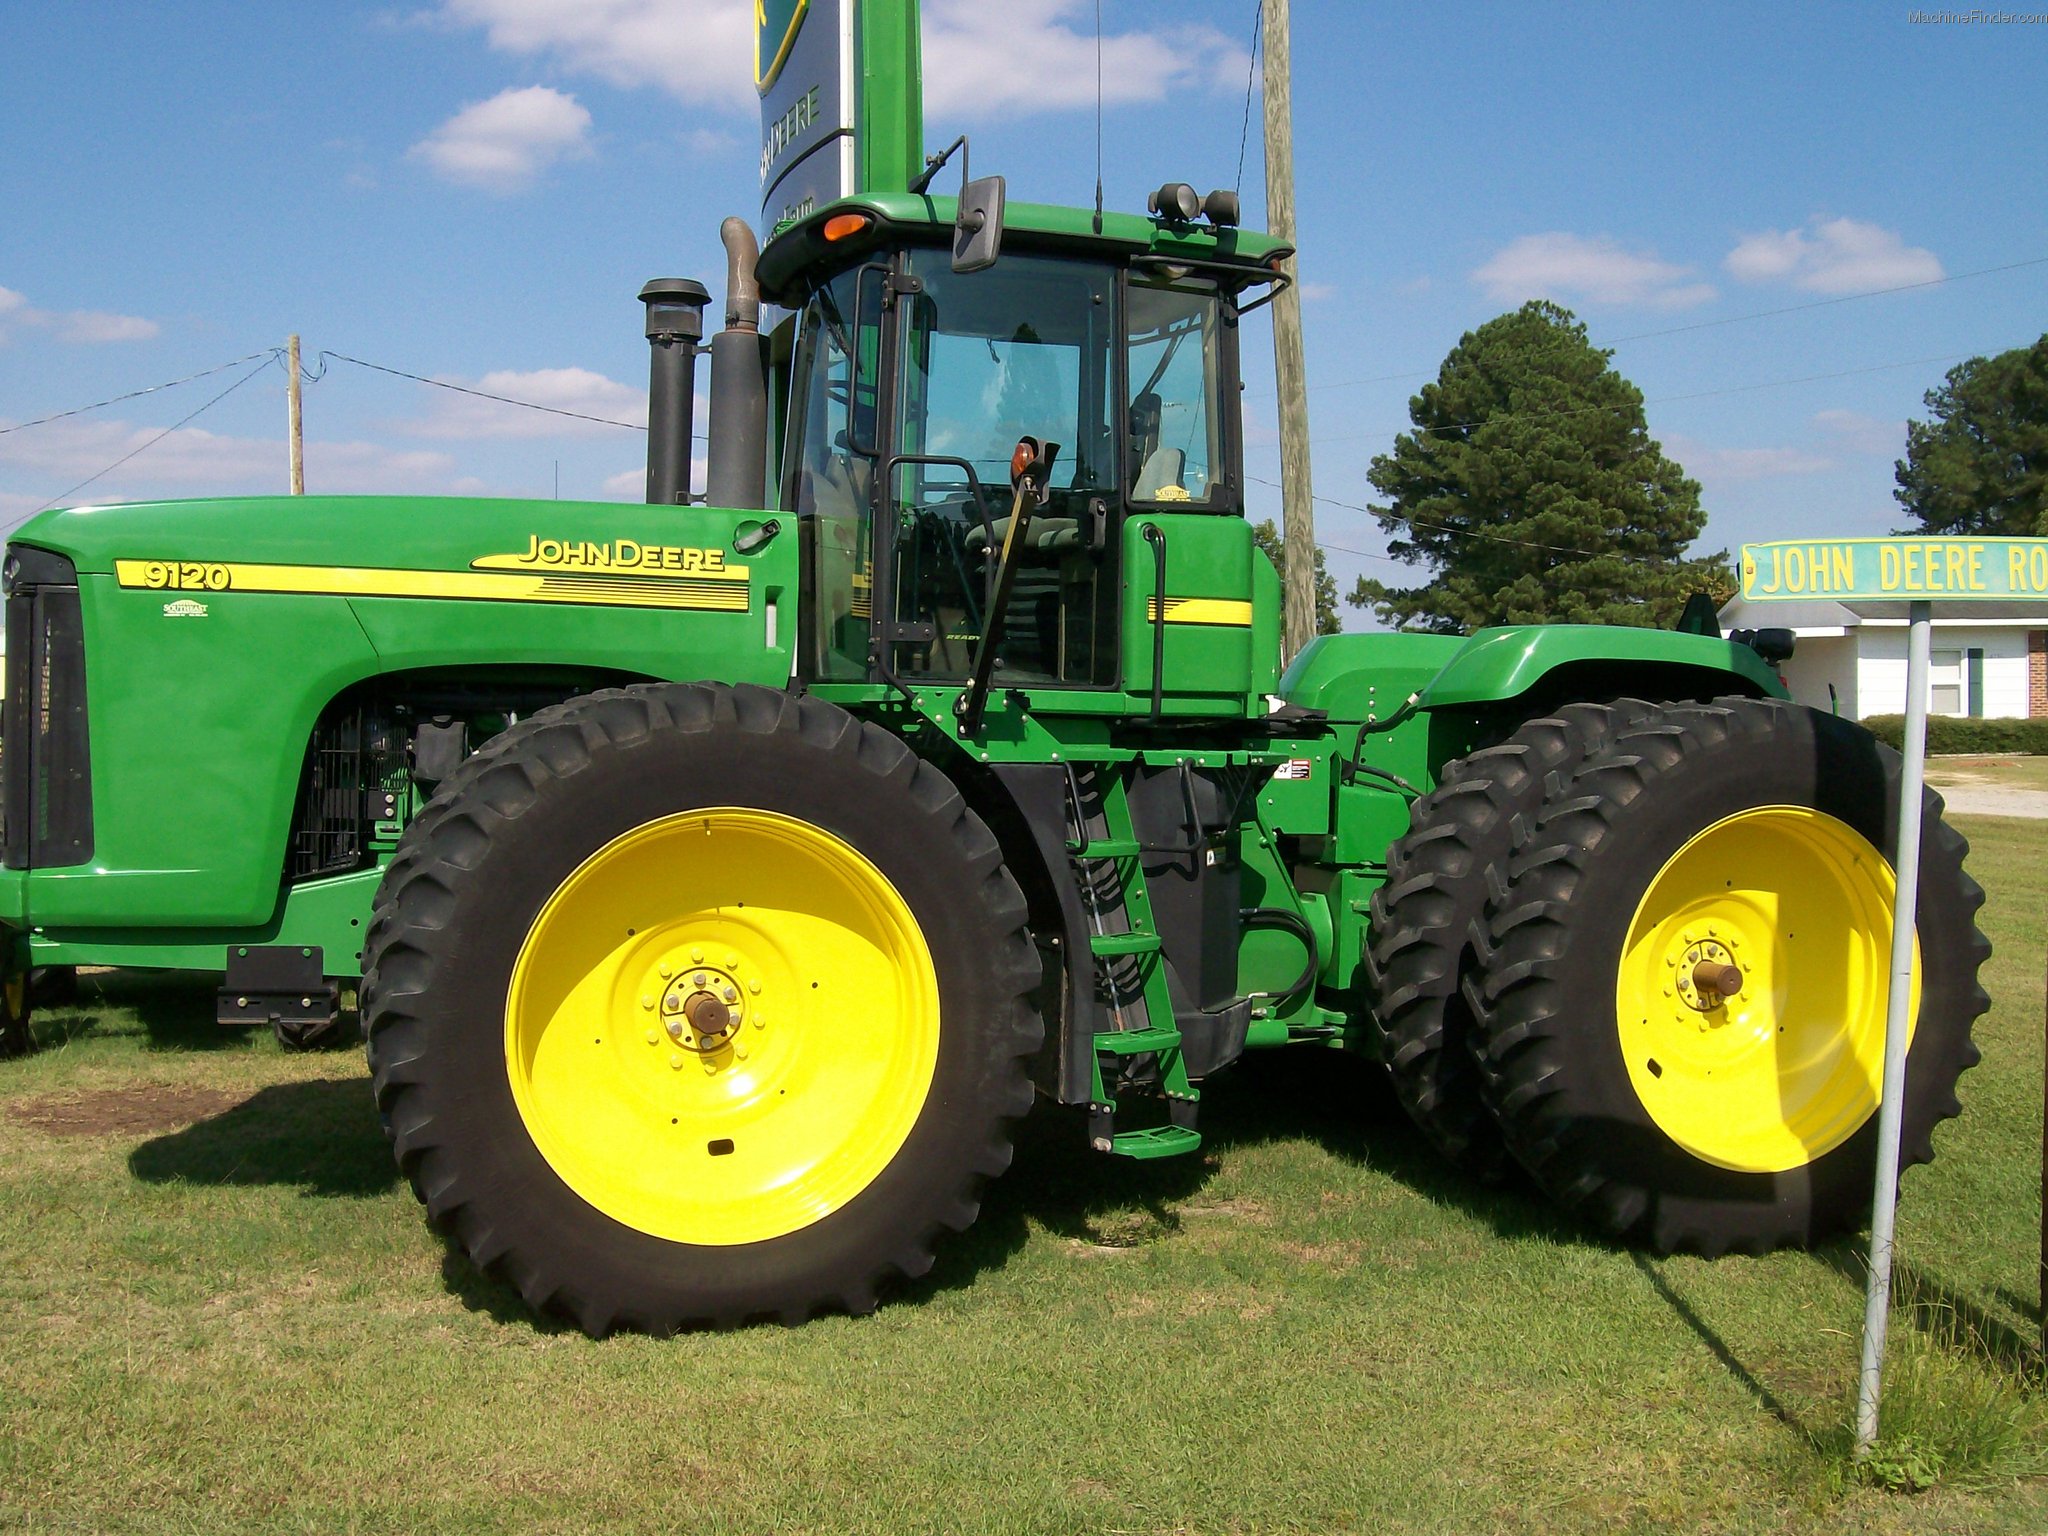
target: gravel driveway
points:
(1982, 800)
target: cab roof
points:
(910, 218)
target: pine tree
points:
(1532, 491)
(1980, 465)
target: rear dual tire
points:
(1536, 948)
(1751, 833)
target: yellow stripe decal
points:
(1201, 610)
(718, 594)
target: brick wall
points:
(2037, 673)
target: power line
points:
(268, 359)
(1846, 298)
(1704, 394)
(1704, 325)
(1416, 522)
(1251, 73)
(482, 394)
(135, 394)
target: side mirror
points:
(978, 226)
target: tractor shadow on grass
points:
(175, 1011)
(320, 1136)
(1948, 1317)
(1339, 1103)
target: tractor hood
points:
(391, 534)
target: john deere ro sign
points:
(1940, 570)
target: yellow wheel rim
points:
(722, 1027)
(1785, 1065)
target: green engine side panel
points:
(217, 631)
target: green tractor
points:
(724, 879)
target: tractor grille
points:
(352, 762)
(45, 761)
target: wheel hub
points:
(1705, 975)
(704, 1006)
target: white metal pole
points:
(1890, 1115)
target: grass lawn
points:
(224, 1313)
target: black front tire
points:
(466, 890)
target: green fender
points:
(1505, 663)
(1371, 676)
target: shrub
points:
(1946, 733)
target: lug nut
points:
(730, 995)
(753, 984)
(666, 969)
(696, 957)
(732, 962)
(676, 1060)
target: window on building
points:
(1945, 683)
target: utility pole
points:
(1297, 500)
(294, 415)
(1297, 503)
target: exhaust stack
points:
(738, 472)
(675, 327)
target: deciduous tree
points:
(1267, 537)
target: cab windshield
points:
(904, 417)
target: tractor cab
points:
(910, 384)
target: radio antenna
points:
(1098, 116)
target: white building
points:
(1989, 661)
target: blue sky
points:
(474, 190)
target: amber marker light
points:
(845, 226)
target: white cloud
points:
(1024, 56)
(1723, 465)
(1315, 293)
(459, 416)
(711, 143)
(195, 462)
(1573, 268)
(504, 144)
(631, 484)
(79, 326)
(93, 325)
(701, 51)
(1837, 256)
(1858, 433)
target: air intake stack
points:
(738, 472)
(675, 327)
